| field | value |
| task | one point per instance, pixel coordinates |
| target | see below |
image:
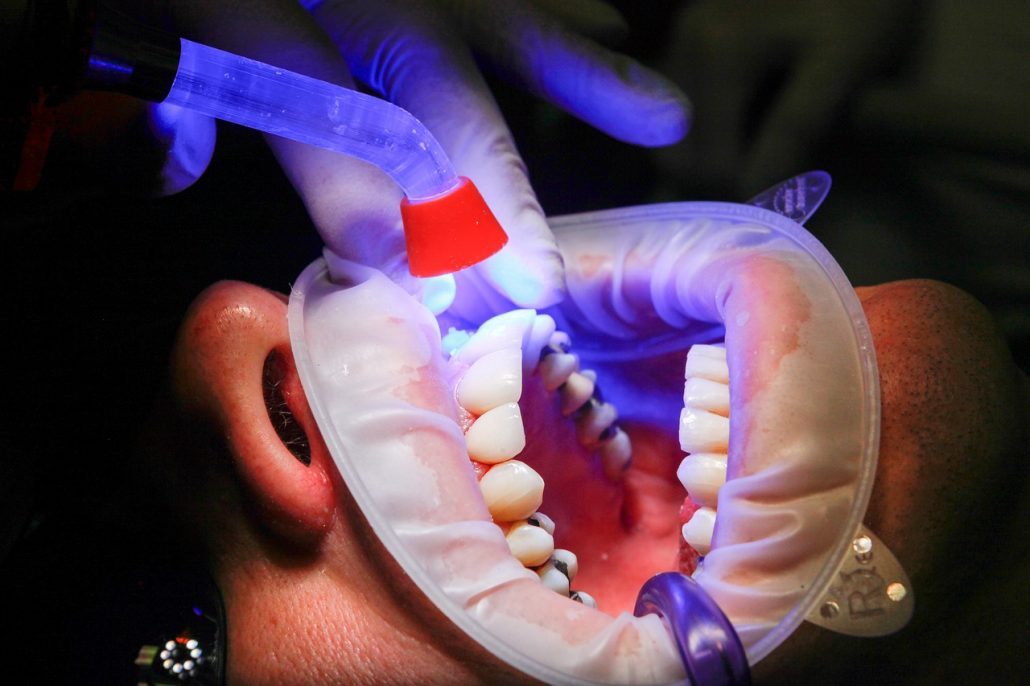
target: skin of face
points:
(312, 597)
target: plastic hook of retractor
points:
(711, 651)
(797, 198)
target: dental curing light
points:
(447, 224)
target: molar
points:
(583, 597)
(497, 435)
(541, 520)
(616, 453)
(512, 490)
(592, 423)
(553, 578)
(556, 368)
(566, 562)
(576, 391)
(530, 545)
(493, 380)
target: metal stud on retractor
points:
(870, 594)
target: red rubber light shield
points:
(451, 232)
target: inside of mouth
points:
(622, 525)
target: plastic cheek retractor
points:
(802, 439)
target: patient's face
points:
(312, 596)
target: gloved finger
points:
(354, 205)
(188, 138)
(605, 89)
(415, 60)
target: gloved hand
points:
(770, 82)
(420, 56)
(644, 285)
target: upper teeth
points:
(543, 521)
(698, 530)
(498, 435)
(703, 474)
(708, 362)
(512, 490)
(555, 369)
(491, 381)
(507, 331)
(705, 433)
(498, 355)
(706, 394)
(575, 392)
(530, 544)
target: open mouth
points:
(530, 472)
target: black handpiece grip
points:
(129, 57)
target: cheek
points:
(951, 430)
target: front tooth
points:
(530, 544)
(707, 362)
(566, 562)
(491, 381)
(703, 474)
(583, 597)
(512, 490)
(504, 332)
(576, 390)
(705, 394)
(698, 531)
(497, 435)
(556, 368)
(703, 432)
(616, 452)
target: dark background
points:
(96, 286)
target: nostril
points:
(286, 426)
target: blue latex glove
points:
(420, 56)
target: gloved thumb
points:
(188, 139)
